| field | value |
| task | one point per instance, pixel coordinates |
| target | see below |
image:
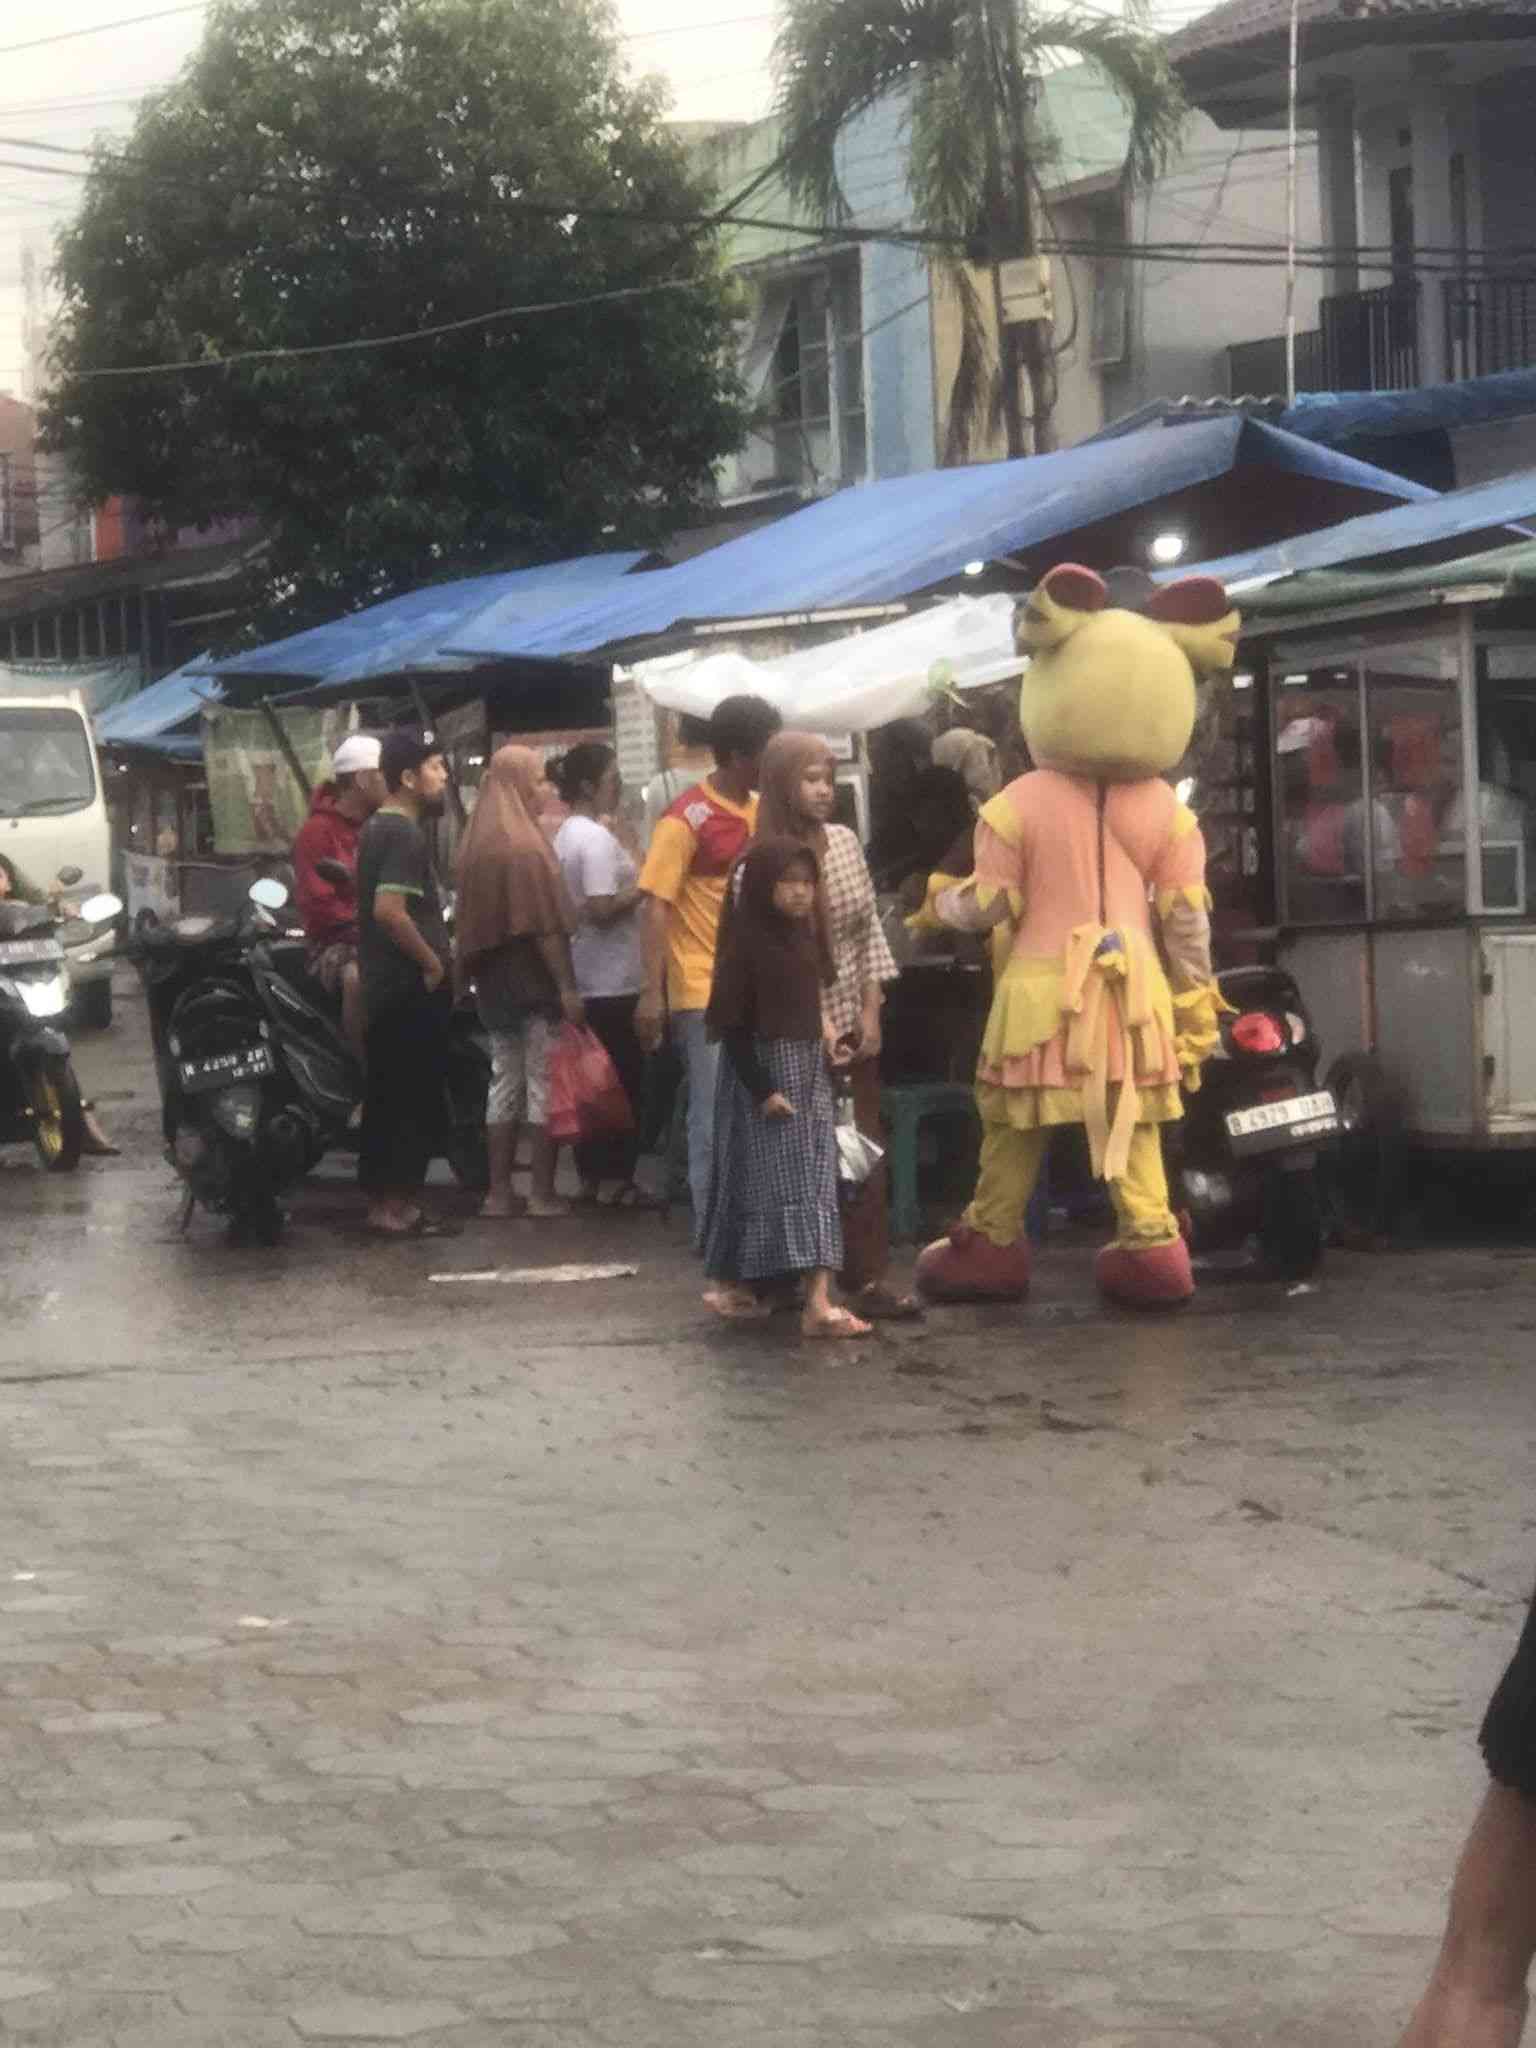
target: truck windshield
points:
(45, 761)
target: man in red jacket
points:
(338, 813)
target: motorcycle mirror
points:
(269, 894)
(69, 876)
(101, 909)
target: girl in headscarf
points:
(513, 938)
(796, 796)
(772, 1209)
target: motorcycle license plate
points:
(18, 952)
(1271, 1126)
(250, 1063)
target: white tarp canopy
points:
(853, 684)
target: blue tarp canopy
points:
(153, 713)
(1335, 417)
(411, 632)
(1433, 522)
(882, 542)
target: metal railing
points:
(1371, 339)
(1256, 369)
(1490, 325)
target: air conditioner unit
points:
(1026, 283)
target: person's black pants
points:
(405, 1097)
(612, 1019)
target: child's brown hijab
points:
(509, 878)
(769, 968)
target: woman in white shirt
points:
(605, 951)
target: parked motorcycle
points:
(39, 1095)
(257, 1083)
(1244, 1163)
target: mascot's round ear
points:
(1198, 614)
(1192, 601)
(1062, 601)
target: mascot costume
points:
(1090, 875)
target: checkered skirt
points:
(773, 1194)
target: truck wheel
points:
(58, 1119)
(93, 1004)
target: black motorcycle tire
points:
(1291, 1233)
(93, 1005)
(1364, 1164)
(58, 1115)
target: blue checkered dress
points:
(773, 1195)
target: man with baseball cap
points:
(340, 809)
(403, 955)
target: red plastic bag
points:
(586, 1096)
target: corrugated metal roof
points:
(886, 541)
(1241, 22)
(1432, 522)
(1511, 571)
(410, 632)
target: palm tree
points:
(977, 149)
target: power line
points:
(70, 35)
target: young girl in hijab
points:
(772, 1209)
(513, 938)
(797, 790)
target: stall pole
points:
(286, 747)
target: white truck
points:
(53, 816)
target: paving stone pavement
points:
(383, 1661)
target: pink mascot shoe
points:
(1159, 1277)
(968, 1266)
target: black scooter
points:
(39, 1095)
(1244, 1164)
(257, 1083)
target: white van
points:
(53, 815)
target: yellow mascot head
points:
(1111, 693)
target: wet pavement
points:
(391, 1659)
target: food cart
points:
(1400, 841)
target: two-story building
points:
(1426, 168)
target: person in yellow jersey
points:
(695, 845)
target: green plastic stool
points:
(902, 1110)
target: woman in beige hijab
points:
(513, 943)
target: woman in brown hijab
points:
(513, 945)
(797, 791)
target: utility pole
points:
(1027, 345)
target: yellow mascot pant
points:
(1010, 1166)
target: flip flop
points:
(839, 1327)
(633, 1197)
(735, 1311)
(424, 1226)
(878, 1303)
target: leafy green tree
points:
(978, 152)
(350, 169)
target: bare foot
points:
(547, 1206)
(497, 1207)
(833, 1324)
(1459, 2019)
(736, 1304)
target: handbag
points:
(857, 1154)
(586, 1096)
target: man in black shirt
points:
(402, 954)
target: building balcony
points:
(1370, 341)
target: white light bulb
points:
(974, 568)
(1167, 547)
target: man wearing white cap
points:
(338, 813)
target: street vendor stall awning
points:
(1468, 515)
(885, 542)
(411, 632)
(151, 714)
(859, 681)
(1494, 574)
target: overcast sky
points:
(714, 52)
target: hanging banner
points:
(253, 793)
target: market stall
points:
(1401, 713)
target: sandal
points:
(840, 1325)
(424, 1226)
(733, 1306)
(882, 1304)
(633, 1197)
